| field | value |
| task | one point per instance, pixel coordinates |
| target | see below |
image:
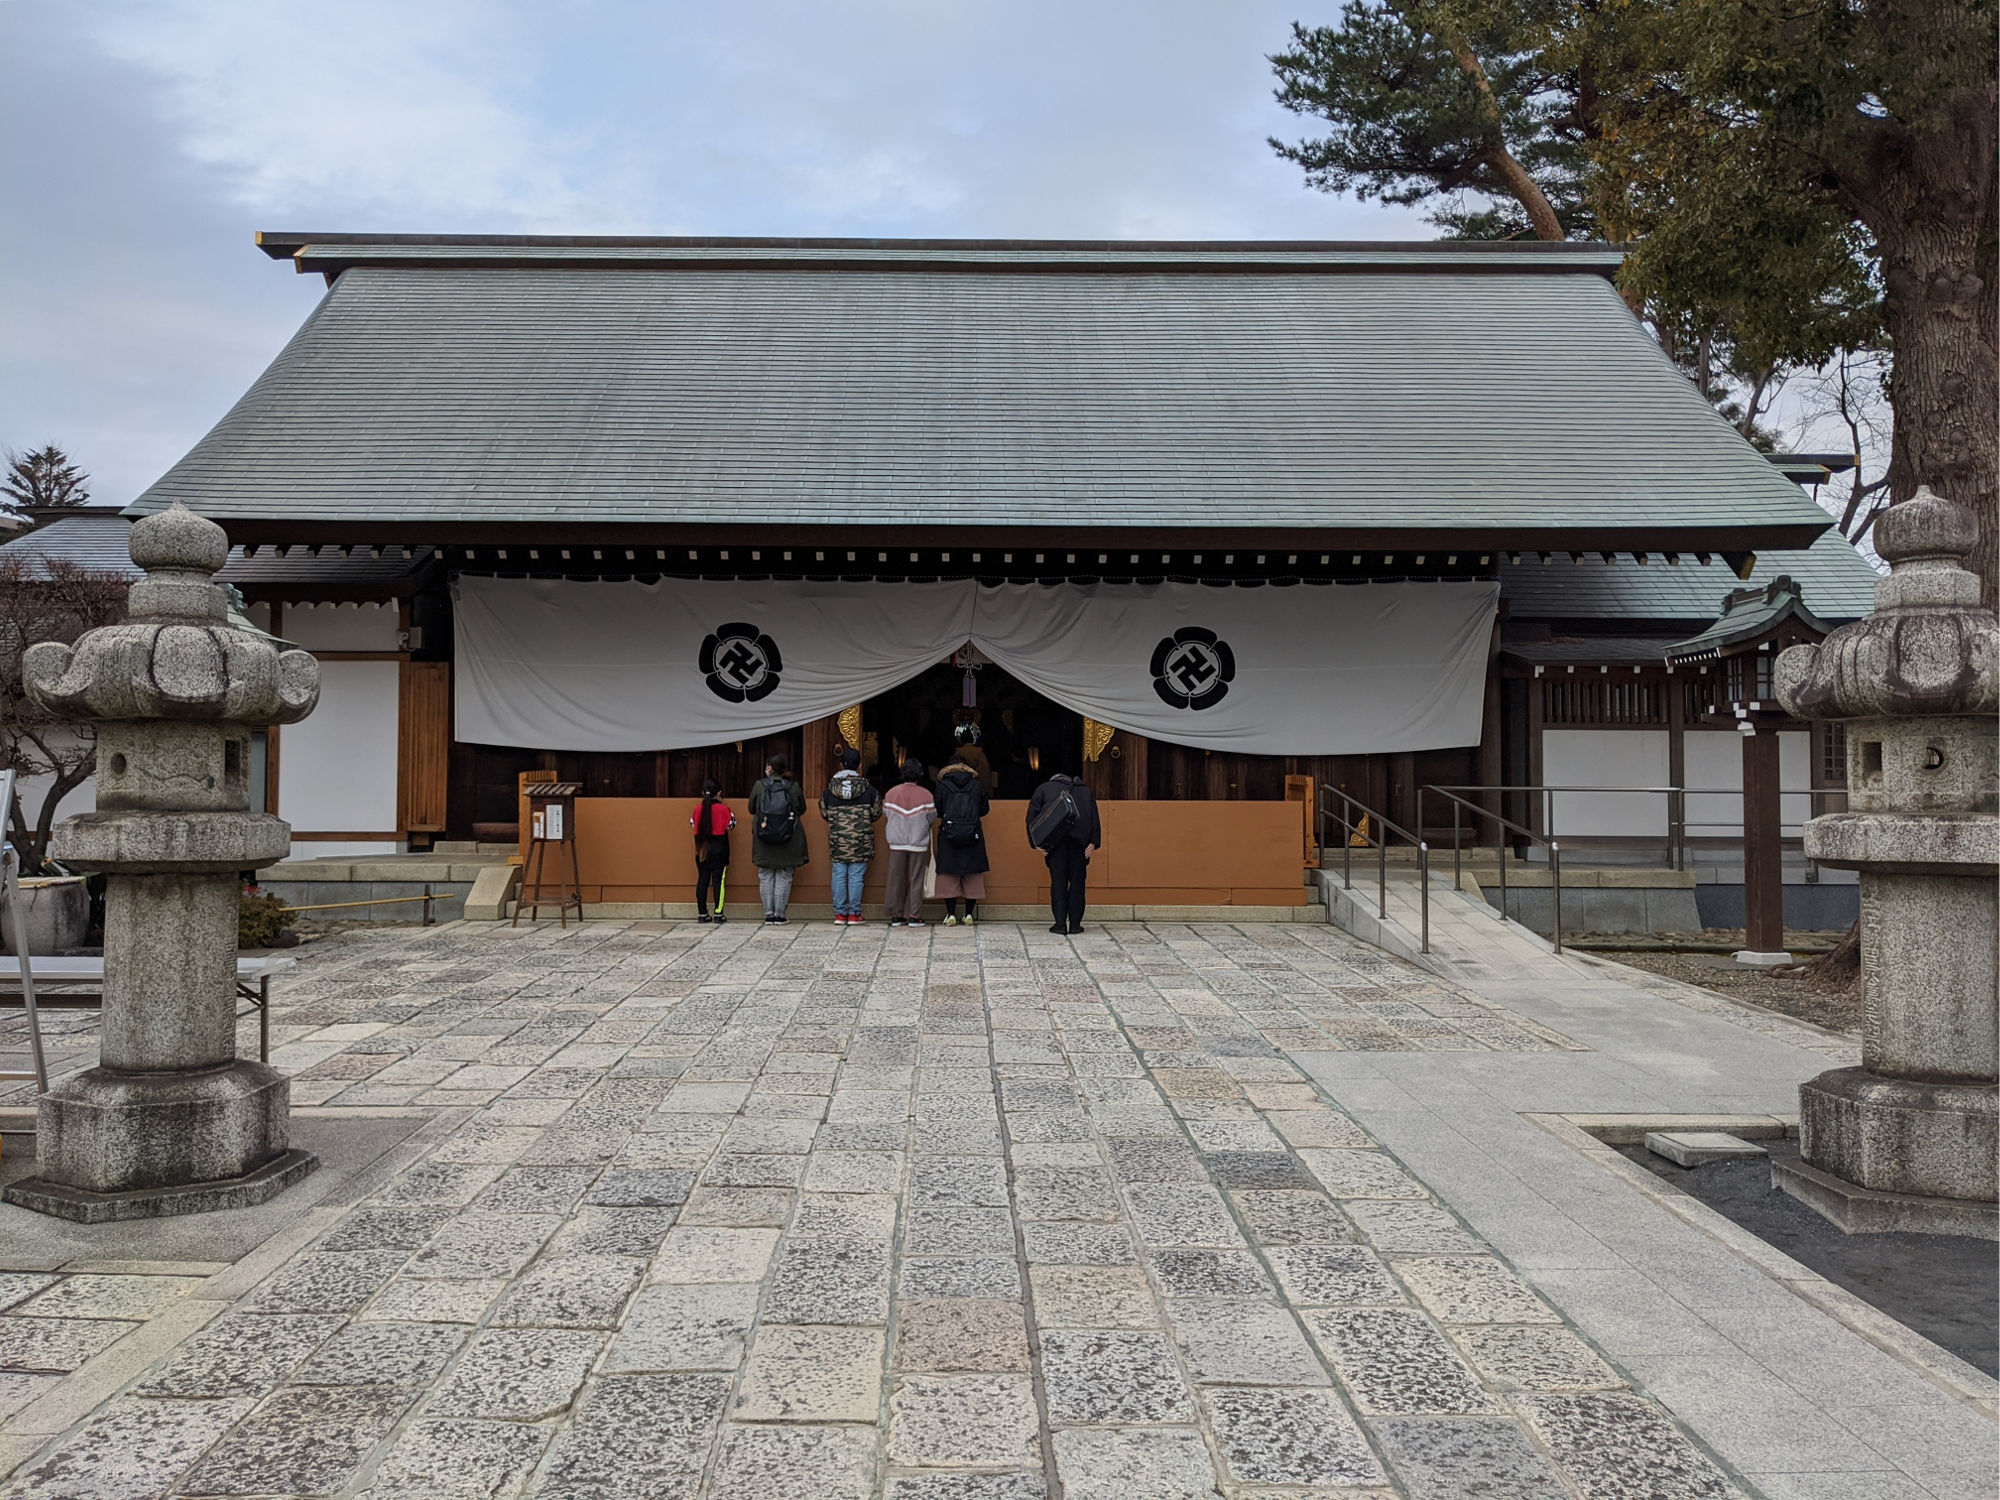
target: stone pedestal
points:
(171, 1120)
(1907, 1141)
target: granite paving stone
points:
(1333, 1275)
(1104, 1378)
(829, 1280)
(722, 1212)
(300, 1442)
(88, 1296)
(55, 1345)
(1243, 1341)
(327, 1282)
(636, 1435)
(960, 1276)
(133, 1448)
(1289, 1437)
(410, 1301)
(1135, 1464)
(457, 1460)
(1445, 1459)
(18, 1286)
(404, 1354)
(1472, 1289)
(1393, 1360)
(779, 1462)
(964, 1421)
(1618, 1447)
(576, 1291)
(241, 1354)
(961, 1334)
(518, 1374)
(1529, 1357)
(479, 1244)
(811, 1375)
(686, 1327)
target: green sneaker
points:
(949, 921)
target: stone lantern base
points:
(1882, 1155)
(125, 1145)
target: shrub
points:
(259, 920)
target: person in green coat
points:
(777, 836)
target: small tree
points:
(44, 477)
(46, 600)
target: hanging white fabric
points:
(1300, 670)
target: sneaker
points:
(950, 920)
(720, 919)
(1059, 930)
(915, 922)
(895, 921)
(857, 920)
(704, 919)
(769, 918)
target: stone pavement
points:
(954, 1214)
(1800, 1390)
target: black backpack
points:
(1054, 821)
(777, 820)
(958, 810)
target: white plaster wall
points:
(1606, 757)
(1715, 763)
(341, 627)
(337, 769)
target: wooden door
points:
(423, 746)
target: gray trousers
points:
(903, 892)
(775, 887)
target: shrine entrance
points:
(1023, 737)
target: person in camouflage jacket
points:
(851, 807)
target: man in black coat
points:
(1068, 847)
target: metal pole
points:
(1457, 860)
(1347, 841)
(1424, 892)
(1382, 873)
(1556, 888)
(1503, 883)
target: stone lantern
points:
(1906, 1141)
(171, 1120)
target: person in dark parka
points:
(961, 839)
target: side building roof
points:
(99, 538)
(449, 389)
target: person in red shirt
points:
(712, 822)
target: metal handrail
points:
(1350, 831)
(1678, 823)
(1458, 849)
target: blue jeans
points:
(847, 886)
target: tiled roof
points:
(1312, 389)
(98, 538)
(1836, 583)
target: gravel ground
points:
(1824, 1000)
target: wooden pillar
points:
(818, 758)
(1490, 772)
(1763, 857)
(1133, 763)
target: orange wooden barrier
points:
(1155, 854)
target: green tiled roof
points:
(1364, 390)
(1834, 580)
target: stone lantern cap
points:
(176, 655)
(1928, 649)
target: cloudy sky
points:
(142, 143)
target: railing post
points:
(1556, 888)
(1457, 856)
(1382, 873)
(1346, 840)
(1424, 892)
(1503, 884)
(429, 921)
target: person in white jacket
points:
(910, 810)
